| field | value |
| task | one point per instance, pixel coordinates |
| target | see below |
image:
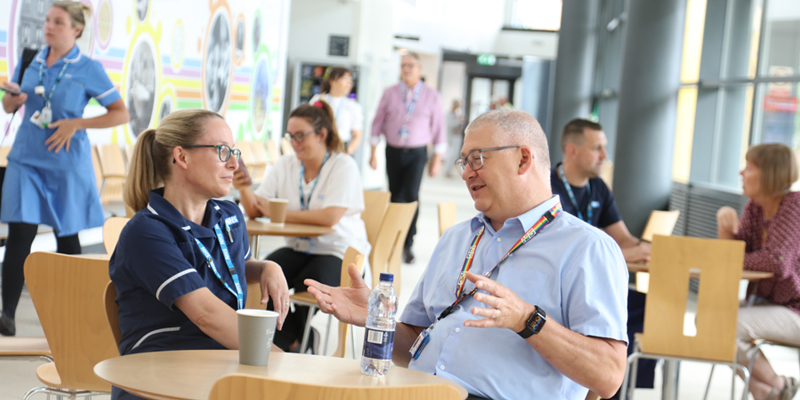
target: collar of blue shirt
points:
(526, 220)
(161, 207)
(73, 56)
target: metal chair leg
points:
(353, 341)
(629, 382)
(733, 384)
(327, 336)
(307, 328)
(708, 385)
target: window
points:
(533, 14)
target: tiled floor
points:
(17, 376)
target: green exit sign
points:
(486, 59)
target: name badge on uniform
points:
(232, 220)
(303, 245)
(419, 344)
(403, 132)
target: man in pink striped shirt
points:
(410, 117)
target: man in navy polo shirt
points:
(577, 182)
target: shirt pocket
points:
(73, 99)
(527, 283)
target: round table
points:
(190, 374)
(256, 228)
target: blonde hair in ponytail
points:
(152, 156)
(78, 13)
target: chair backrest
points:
(68, 293)
(112, 311)
(286, 146)
(272, 150)
(660, 223)
(248, 387)
(111, 160)
(4, 150)
(111, 230)
(607, 173)
(247, 153)
(447, 216)
(260, 153)
(351, 256)
(129, 154)
(672, 259)
(375, 205)
(388, 247)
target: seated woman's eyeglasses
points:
(223, 151)
(475, 158)
(299, 136)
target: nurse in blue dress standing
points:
(50, 178)
(182, 263)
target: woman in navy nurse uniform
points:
(50, 179)
(182, 263)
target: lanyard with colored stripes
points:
(572, 196)
(548, 216)
(211, 264)
(58, 79)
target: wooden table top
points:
(256, 227)
(190, 374)
(748, 275)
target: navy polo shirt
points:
(157, 261)
(604, 209)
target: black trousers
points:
(18, 247)
(298, 267)
(404, 168)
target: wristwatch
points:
(534, 324)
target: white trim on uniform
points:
(187, 228)
(73, 60)
(172, 278)
(246, 256)
(173, 329)
(152, 210)
(108, 92)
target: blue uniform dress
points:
(42, 187)
(157, 261)
(573, 271)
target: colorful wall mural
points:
(164, 55)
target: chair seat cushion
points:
(48, 375)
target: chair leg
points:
(327, 336)
(629, 382)
(708, 385)
(733, 384)
(746, 378)
(307, 328)
(353, 341)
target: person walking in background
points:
(50, 178)
(410, 117)
(348, 116)
(455, 134)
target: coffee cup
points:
(277, 211)
(256, 331)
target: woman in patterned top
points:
(770, 227)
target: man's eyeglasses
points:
(223, 151)
(475, 158)
(299, 136)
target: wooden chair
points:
(659, 223)
(98, 170)
(4, 150)
(388, 248)
(672, 260)
(607, 173)
(447, 216)
(286, 146)
(248, 387)
(112, 311)
(112, 163)
(128, 155)
(111, 230)
(25, 347)
(67, 292)
(261, 159)
(592, 396)
(272, 151)
(351, 256)
(375, 205)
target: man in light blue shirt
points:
(498, 343)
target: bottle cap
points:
(387, 277)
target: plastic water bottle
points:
(379, 336)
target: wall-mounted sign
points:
(339, 46)
(486, 59)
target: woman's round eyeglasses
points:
(223, 151)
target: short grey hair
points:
(518, 127)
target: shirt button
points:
(499, 240)
(441, 367)
(458, 330)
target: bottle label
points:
(378, 344)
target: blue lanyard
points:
(58, 79)
(338, 108)
(572, 196)
(211, 264)
(410, 107)
(303, 204)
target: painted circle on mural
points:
(102, 24)
(29, 27)
(256, 31)
(178, 40)
(142, 6)
(239, 38)
(166, 108)
(260, 90)
(217, 69)
(141, 85)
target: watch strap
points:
(534, 323)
